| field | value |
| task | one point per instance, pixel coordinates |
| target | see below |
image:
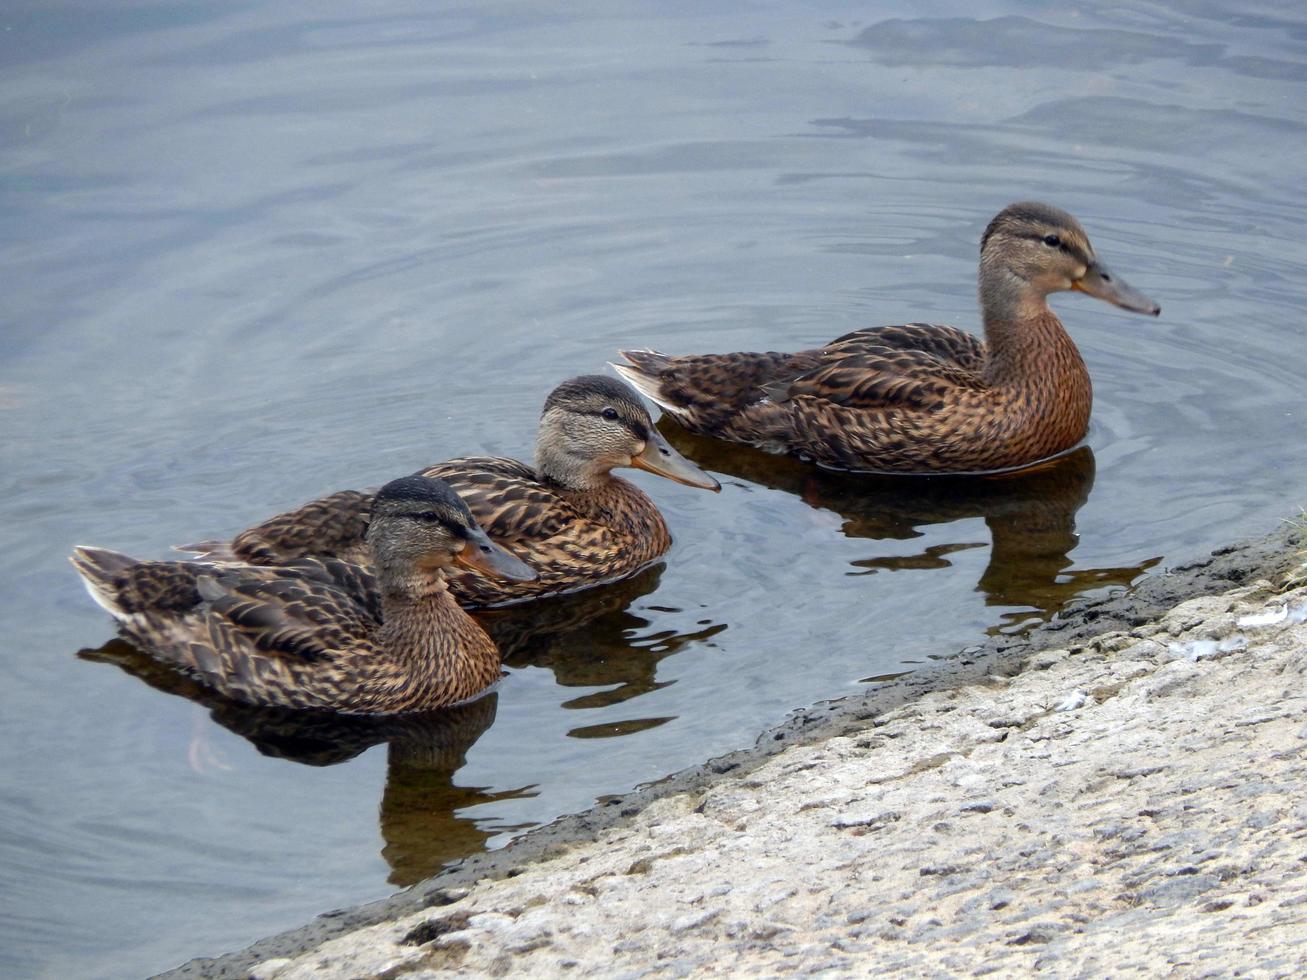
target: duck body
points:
(568, 516)
(321, 633)
(918, 397)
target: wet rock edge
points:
(1269, 557)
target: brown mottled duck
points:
(317, 634)
(568, 517)
(920, 397)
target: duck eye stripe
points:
(637, 429)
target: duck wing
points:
(707, 390)
(945, 343)
(125, 587)
(881, 377)
(277, 636)
(358, 582)
(507, 498)
(288, 616)
(330, 526)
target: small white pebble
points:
(1195, 650)
(1076, 699)
(1268, 618)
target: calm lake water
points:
(254, 252)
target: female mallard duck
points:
(568, 517)
(307, 635)
(922, 397)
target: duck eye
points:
(1052, 241)
(427, 517)
(610, 414)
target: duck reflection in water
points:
(590, 639)
(593, 639)
(1030, 513)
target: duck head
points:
(1030, 250)
(593, 424)
(419, 528)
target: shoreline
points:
(1088, 638)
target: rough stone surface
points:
(1131, 803)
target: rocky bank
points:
(1122, 792)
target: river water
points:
(254, 252)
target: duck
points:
(306, 636)
(568, 516)
(919, 398)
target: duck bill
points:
(659, 457)
(1103, 284)
(484, 557)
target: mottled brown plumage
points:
(321, 633)
(920, 397)
(568, 517)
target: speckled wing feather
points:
(506, 498)
(708, 390)
(359, 582)
(141, 586)
(947, 344)
(266, 635)
(330, 526)
(290, 616)
(881, 378)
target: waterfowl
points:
(568, 516)
(305, 636)
(918, 397)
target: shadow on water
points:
(1031, 516)
(590, 639)
(593, 639)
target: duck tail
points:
(101, 571)
(647, 371)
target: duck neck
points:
(557, 466)
(1026, 341)
(446, 655)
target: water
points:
(258, 251)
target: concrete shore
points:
(1118, 792)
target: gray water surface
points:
(254, 252)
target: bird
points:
(311, 635)
(918, 397)
(568, 516)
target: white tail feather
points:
(89, 563)
(647, 386)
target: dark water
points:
(256, 251)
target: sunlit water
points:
(254, 252)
